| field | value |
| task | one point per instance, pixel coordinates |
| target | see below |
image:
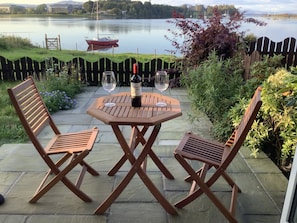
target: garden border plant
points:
(215, 84)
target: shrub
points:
(59, 90)
(274, 132)
(202, 36)
(279, 97)
(11, 42)
(212, 86)
(58, 100)
(60, 80)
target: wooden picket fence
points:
(87, 72)
(91, 72)
(264, 46)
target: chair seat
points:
(72, 142)
(196, 148)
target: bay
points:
(144, 36)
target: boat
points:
(95, 47)
(101, 41)
(104, 41)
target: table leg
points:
(136, 168)
(154, 157)
(160, 165)
(137, 137)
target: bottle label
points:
(135, 89)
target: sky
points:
(244, 5)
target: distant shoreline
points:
(266, 15)
(281, 16)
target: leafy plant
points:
(279, 97)
(11, 42)
(212, 86)
(59, 89)
(205, 35)
(262, 69)
(255, 139)
(58, 100)
(58, 79)
(274, 132)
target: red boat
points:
(101, 41)
(93, 47)
(104, 41)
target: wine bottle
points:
(135, 84)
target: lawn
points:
(11, 130)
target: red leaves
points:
(202, 36)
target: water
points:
(135, 36)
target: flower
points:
(57, 100)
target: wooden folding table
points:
(140, 120)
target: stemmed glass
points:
(109, 84)
(161, 84)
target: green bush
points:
(62, 81)
(58, 100)
(59, 89)
(212, 86)
(279, 108)
(274, 131)
(12, 42)
(258, 138)
(11, 130)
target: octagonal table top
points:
(124, 114)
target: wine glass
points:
(161, 84)
(109, 84)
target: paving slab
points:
(21, 170)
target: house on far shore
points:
(63, 8)
(51, 8)
(9, 8)
(5, 9)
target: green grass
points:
(11, 130)
(14, 48)
(40, 54)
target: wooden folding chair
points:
(73, 147)
(216, 155)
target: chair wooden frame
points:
(73, 147)
(215, 155)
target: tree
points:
(200, 10)
(202, 36)
(88, 6)
(41, 9)
(18, 9)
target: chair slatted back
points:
(237, 138)
(31, 109)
